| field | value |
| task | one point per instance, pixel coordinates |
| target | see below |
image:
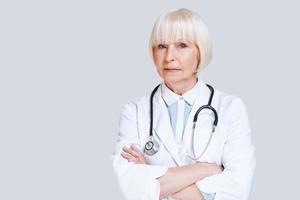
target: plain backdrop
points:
(67, 68)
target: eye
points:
(182, 45)
(161, 46)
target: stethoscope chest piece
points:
(151, 147)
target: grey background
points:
(67, 67)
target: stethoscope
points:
(152, 146)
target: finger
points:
(131, 151)
(127, 155)
(134, 148)
(128, 150)
(140, 154)
(134, 160)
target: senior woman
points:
(162, 152)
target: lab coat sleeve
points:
(136, 181)
(238, 159)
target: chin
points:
(172, 79)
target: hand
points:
(212, 168)
(133, 154)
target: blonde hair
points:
(182, 24)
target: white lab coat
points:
(231, 146)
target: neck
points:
(182, 87)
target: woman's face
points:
(177, 61)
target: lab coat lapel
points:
(162, 127)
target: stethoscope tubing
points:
(151, 147)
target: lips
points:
(171, 69)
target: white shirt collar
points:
(190, 96)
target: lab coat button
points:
(181, 98)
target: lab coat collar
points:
(161, 122)
(171, 97)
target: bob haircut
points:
(182, 24)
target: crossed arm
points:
(178, 182)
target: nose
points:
(170, 57)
